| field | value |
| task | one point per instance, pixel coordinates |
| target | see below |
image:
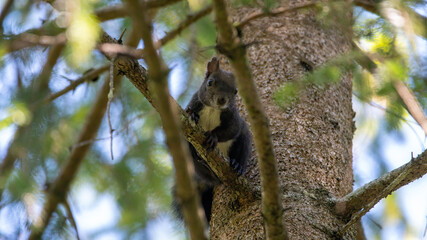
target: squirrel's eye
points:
(210, 82)
(235, 91)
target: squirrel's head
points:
(219, 88)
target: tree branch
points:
(232, 47)
(412, 104)
(110, 12)
(71, 218)
(87, 76)
(191, 18)
(184, 168)
(367, 196)
(25, 40)
(112, 49)
(385, 192)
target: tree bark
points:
(312, 138)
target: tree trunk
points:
(312, 138)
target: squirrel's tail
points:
(205, 195)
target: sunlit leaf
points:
(382, 44)
(287, 94)
(197, 4)
(362, 82)
(391, 210)
(18, 114)
(394, 70)
(82, 32)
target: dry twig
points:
(367, 195)
(74, 84)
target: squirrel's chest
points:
(209, 118)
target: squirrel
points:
(213, 107)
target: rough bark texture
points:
(312, 138)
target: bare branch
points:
(411, 102)
(367, 195)
(74, 84)
(113, 49)
(116, 132)
(184, 169)
(71, 218)
(110, 12)
(192, 18)
(110, 99)
(230, 45)
(385, 192)
(25, 40)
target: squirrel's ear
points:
(213, 65)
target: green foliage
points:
(82, 32)
(18, 185)
(287, 94)
(18, 114)
(362, 85)
(322, 77)
(265, 5)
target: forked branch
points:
(368, 195)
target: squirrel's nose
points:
(221, 101)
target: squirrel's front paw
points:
(193, 116)
(236, 166)
(211, 141)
